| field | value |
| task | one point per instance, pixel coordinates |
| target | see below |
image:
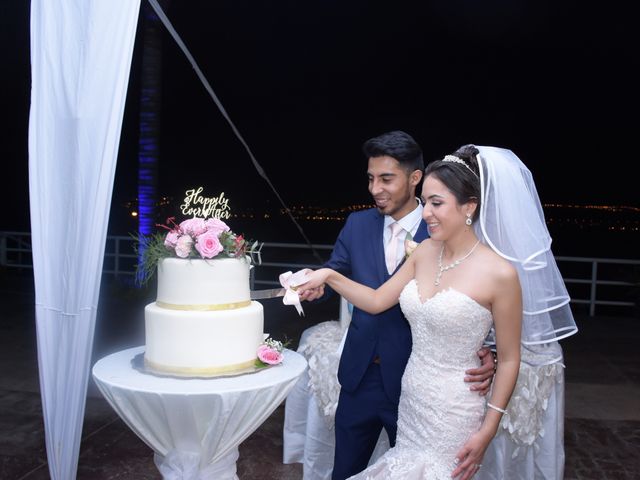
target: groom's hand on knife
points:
(482, 376)
(312, 293)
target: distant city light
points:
(619, 218)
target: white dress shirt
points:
(409, 223)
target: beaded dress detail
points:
(437, 411)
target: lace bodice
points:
(437, 411)
(447, 329)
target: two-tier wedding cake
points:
(203, 322)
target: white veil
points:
(512, 223)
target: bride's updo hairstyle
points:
(459, 173)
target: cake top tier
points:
(197, 284)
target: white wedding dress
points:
(437, 411)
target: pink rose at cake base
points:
(269, 356)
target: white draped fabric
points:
(80, 60)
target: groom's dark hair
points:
(397, 144)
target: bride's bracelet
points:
(497, 409)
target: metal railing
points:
(597, 281)
(628, 277)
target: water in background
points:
(567, 240)
(577, 231)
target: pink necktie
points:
(390, 254)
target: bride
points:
(456, 287)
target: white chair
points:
(530, 441)
(308, 436)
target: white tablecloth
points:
(194, 426)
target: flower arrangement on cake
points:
(197, 238)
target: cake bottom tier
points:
(202, 343)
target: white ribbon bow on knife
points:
(290, 281)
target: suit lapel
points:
(378, 248)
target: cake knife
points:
(268, 293)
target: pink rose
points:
(268, 355)
(183, 246)
(216, 225)
(171, 240)
(193, 226)
(208, 244)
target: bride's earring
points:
(468, 221)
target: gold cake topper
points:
(196, 205)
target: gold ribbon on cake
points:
(205, 307)
(222, 370)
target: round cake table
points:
(194, 426)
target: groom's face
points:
(392, 186)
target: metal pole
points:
(594, 282)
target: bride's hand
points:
(309, 294)
(315, 280)
(469, 457)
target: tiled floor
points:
(602, 424)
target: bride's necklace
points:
(444, 268)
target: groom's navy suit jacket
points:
(359, 254)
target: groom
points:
(369, 250)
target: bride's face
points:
(442, 213)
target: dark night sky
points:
(307, 82)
